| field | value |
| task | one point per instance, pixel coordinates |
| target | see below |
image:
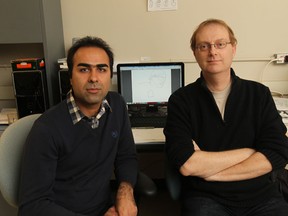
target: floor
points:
(159, 205)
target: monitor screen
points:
(149, 83)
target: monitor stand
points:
(155, 110)
(147, 111)
(151, 109)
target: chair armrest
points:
(173, 181)
(145, 185)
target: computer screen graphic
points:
(149, 83)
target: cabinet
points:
(35, 22)
(64, 83)
(30, 92)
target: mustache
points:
(94, 85)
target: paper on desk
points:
(281, 103)
(282, 107)
(148, 135)
(4, 114)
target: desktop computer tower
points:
(30, 90)
(64, 83)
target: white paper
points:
(162, 5)
(148, 135)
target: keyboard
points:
(148, 121)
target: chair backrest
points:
(173, 180)
(11, 148)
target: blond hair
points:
(207, 22)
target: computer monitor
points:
(149, 85)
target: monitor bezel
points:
(152, 104)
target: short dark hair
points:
(89, 41)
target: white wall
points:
(134, 33)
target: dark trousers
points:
(202, 206)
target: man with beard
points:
(73, 148)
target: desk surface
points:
(148, 135)
(149, 139)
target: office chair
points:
(173, 180)
(11, 148)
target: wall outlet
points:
(281, 58)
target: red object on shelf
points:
(28, 64)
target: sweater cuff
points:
(183, 156)
(275, 159)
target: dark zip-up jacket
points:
(250, 120)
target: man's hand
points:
(206, 164)
(254, 166)
(111, 212)
(125, 203)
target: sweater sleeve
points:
(178, 131)
(38, 175)
(273, 141)
(126, 164)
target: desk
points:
(150, 148)
(149, 139)
(7, 116)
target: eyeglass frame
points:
(209, 45)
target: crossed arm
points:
(231, 165)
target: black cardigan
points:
(250, 120)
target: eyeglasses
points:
(207, 46)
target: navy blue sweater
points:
(67, 168)
(250, 120)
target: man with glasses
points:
(224, 134)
